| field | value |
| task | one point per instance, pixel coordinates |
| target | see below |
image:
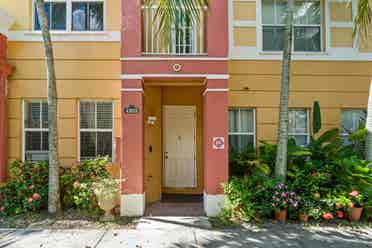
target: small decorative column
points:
(132, 142)
(215, 130)
(5, 70)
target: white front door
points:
(179, 147)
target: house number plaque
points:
(131, 109)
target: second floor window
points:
(307, 25)
(73, 15)
(56, 13)
(35, 130)
(87, 16)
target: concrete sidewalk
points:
(189, 232)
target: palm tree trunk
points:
(54, 205)
(369, 127)
(281, 156)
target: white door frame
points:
(164, 142)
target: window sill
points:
(57, 32)
(67, 36)
(322, 53)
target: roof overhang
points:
(6, 21)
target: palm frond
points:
(363, 18)
(168, 10)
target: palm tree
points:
(54, 205)
(281, 154)
(362, 24)
(168, 10)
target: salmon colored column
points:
(5, 70)
(132, 155)
(215, 130)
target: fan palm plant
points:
(168, 10)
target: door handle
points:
(166, 155)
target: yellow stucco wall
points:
(336, 85)
(85, 71)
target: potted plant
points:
(356, 206)
(282, 200)
(106, 191)
(305, 209)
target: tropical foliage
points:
(27, 189)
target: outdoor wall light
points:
(151, 120)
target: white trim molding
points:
(153, 58)
(99, 36)
(213, 204)
(132, 205)
(215, 90)
(131, 90)
(207, 76)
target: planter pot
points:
(106, 204)
(355, 213)
(304, 218)
(281, 215)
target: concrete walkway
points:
(189, 232)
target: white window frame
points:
(261, 25)
(307, 134)
(342, 133)
(239, 123)
(112, 130)
(69, 16)
(24, 129)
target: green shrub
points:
(322, 174)
(76, 184)
(27, 189)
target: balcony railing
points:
(185, 38)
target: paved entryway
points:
(196, 232)
(177, 205)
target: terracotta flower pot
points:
(355, 213)
(303, 217)
(281, 215)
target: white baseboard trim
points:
(132, 205)
(213, 204)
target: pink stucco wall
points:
(215, 123)
(132, 155)
(215, 102)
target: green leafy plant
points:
(26, 190)
(77, 183)
(317, 118)
(244, 163)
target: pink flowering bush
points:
(26, 189)
(283, 198)
(356, 198)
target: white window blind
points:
(96, 129)
(241, 128)
(35, 130)
(299, 126)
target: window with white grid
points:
(241, 128)
(351, 121)
(299, 126)
(35, 131)
(307, 25)
(73, 15)
(96, 129)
